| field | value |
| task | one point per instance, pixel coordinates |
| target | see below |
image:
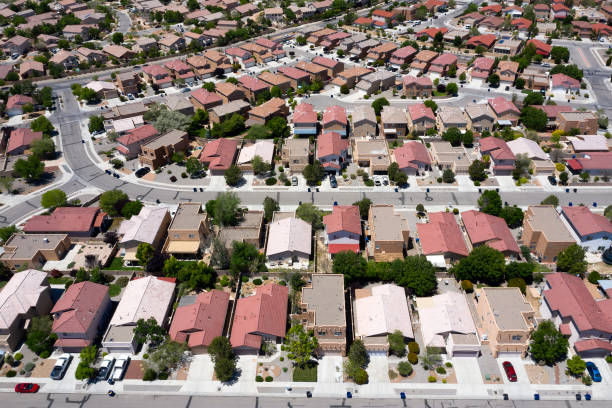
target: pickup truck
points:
(120, 367)
(106, 367)
(61, 366)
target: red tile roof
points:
(363, 21)
(483, 63)
(325, 62)
(22, 137)
(343, 218)
(562, 80)
(265, 313)
(294, 73)
(199, 323)
(177, 65)
(419, 111)
(335, 248)
(382, 13)
(219, 153)
(304, 113)
(485, 40)
(18, 100)
(592, 344)
(78, 307)
(253, 84)
(334, 113)
(552, 111)
(410, 153)
(331, 143)
(432, 31)
(495, 8)
(441, 235)
(496, 147)
(63, 220)
(501, 105)
(522, 23)
(541, 47)
(204, 97)
(421, 81)
(445, 60)
(155, 70)
(592, 161)
(569, 296)
(404, 52)
(489, 230)
(585, 222)
(137, 135)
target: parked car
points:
(377, 181)
(106, 367)
(2, 355)
(120, 367)
(185, 90)
(26, 388)
(593, 371)
(60, 367)
(294, 181)
(130, 97)
(332, 181)
(552, 180)
(142, 171)
(509, 369)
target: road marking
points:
(586, 62)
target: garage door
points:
(509, 355)
(377, 353)
(465, 354)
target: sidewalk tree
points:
(431, 104)
(53, 199)
(145, 253)
(477, 170)
(378, 105)
(490, 202)
(43, 148)
(364, 207)
(84, 370)
(113, 201)
(300, 345)
(563, 178)
(484, 264)
(311, 214)
(42, 124)
(358, 360)
(270, 206)
(233, 175)
(313, 173)
(96, 124)
(224, 209)
(571, 260)
(350, 264)
(548, 344)
(30, 168)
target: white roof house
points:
(144, 298)
(382, 313)
(144, 226)
(529, 147)
(261, 148)
(99, 86)
(589, 143)
(289, 237)
(123, 125)
(444, 315)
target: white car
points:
(60, 366)
(120, 367)
(106, 367)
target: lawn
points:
(62, 280)
(114, 290)
(117, 265)
(306, 374)
(542, 268)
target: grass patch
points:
(62, 280)
(306, 374)
(114, 290)
(436, 93)
(541, 268)
(117, 265)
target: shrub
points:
(245, 279)
(264, 277)
(149, 375)
(413, 347)
(257, 282)
(145, 356)
(29, 366)
(361, 376)
(21, 372)
(444, 381)
(477, 183)
(586, 379)
(439, 179)
(392, 375)
(9, 360)
(18, 356)
(282, 283)
(448, 364)
(467, 286)
(432, 379)
(404, 368)
(44, 354)
(270, 181)
(224, 281)
(162, 376)
(441, 370)
(122, 281)
(560, 166)
(285, 369)
(282, 358)
(455, 211)
(593, 278)
(269, 378)
(413, 358)
(259, 378)
(11, 373)
(609, 359)
(173, 179)
(184, 175)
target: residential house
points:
(507, 71)
(561, 84)
(420, 118)
(431, 32)
(119, 52)
(316, 72)
(158, 152)
(360, 50)
(388, 234)
(297, 77)
(29, 69)
(219, 155)
(171, 42)
(80, 316)
(481, 69)
(422, 60)
(145, 44)
(585, 122)
(26, 295)
(295, 154)
(74, 221)
(260, 318)
(544, 232)
(508, 47)
(552, 113)
(91, 56)
(322, 311)
(588, 143)
(304, 120)
(501, 157)
(393, 122)
(289, 242)
(447, 324)
(541, 48)
(158, 76)
(247, 230)
(229, 92)
(227, 110)
(371, 153)
(441, 64)
(364, 121)
(472, 19)
(333, 67)
(332, 151)
(181, 71)
(188, 231)
(402, 56)
(540, 163)
(198, 323)
(17, 45)
(442, 236)
(335, 120)
(264, 149)
(20, 140)
(446, 156)
(67, 59)
(148, 226)
(379, 311)
(377, 81)
(351, 76)
(219, 61)
(417, 87)
(343, 229)
(483, 40)
(594, 231)
(34, 250)
(127, 83)
(506, 112)
(130, 142)
(541, 11)
(487, 229)
(593, 163)
(261, 114)
(450, 117)
(491, 23)
(202, 99)
(535, 79)
(103, 89)
(382, 52)
(70, 32)
(201, 65)
(586, 322)
(252, 87)
(506, 320)
(281, 81)
(412, 158)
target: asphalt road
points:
(123, 22)
(150, 401)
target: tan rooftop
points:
(545, 219)
(508, 306)
(325, 297)
(187, 217)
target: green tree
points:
(40, 338)
(551, 200)
(520, 270)
(53, 198)
(193, 5)
(571, 260)
(233, 175)
(533, 98)
(431, 104)
(608, 212)
(378, 104)
(117, 38)
(548, 344)
(148, 331)
(311, 214)
(513, 216)
(7, 182)
(270, 206)
(397, 345)
(225, 369)
(576, 366)
(246, 259)
(31, 168)
(563, 178)
(534, 118)
(226, 209)
(364, 207)
(477, 170)
(167, 355)
(43, 148)
(448, 176)
(260, 166)
(416, 274)
(145, 253)
(278, 127)
(96, 124)
(276, 92)
(193, 165)
(453, 136)
(220, 255)
(358, 355)
(112, 202)
(313, 173)
(559, 54)
(219, 348)
(484, 264)
(131, 208)
(468, 138)
(84, 370)
(518, 283)
(350, 264)
(452, 88)
(258, 132)
(300, 345)
(344, 90)
(167, 120)
(42, 124)
(493, 80)
(7, 232)
(490, 202)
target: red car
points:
(26, 388)
(509, 369)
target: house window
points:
(517, 338)
(176, 236)
(337, 333)
(321, 333)
(191, 235)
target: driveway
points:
(467, 370)
(330, 369)
(519, 367)
(378, 369)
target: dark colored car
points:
(26, 388)
(552, 180)
(332, 181)
(509, 369)
(142, 171)
(593, 371)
